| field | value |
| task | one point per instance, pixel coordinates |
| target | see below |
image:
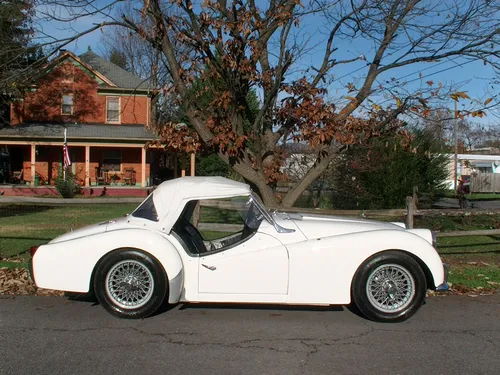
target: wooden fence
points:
(408, 214)
(485, 183)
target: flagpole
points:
(64, 164)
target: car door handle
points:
(211, 268)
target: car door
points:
(252, 271)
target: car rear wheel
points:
(130, 284)
(389, 287)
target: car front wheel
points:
(130, 284)
(389, 287)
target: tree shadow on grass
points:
(470, 252)
(26, 238)
(7, 210)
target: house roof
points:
(477, 157)
(120, 77)
(79, 131)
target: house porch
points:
(111, 156)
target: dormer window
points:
(67, 104)
(113, 109)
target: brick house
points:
(106, 113)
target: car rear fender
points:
(69, 265)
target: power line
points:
(429, 67)
(354, 71)
(409, 74)
(430, 75)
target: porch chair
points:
(100, 179)
(129, 177)
(17, 177)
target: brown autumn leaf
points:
(16, 281)
(459, 95)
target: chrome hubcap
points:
(390, 288)
(129, 284)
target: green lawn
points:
(483, 197)
(469, 245)
(483, 277)
(475, 196)
(23, 226)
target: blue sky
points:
(471, 77)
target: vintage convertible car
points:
(168, 249)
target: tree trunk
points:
(313, 173)
(267, 194)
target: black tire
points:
(130, 284)
(390, 297)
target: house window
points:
(67, 105)
(111, 160)
(113, 109)
(67, 72)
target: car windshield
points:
(248, 210)
(265, 213)
(146, 210)
(258, 206)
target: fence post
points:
(196, 215)
(410, 211)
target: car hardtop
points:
(171, 197)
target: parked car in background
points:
(157, 253)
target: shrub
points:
(66, 187)
(382, 173)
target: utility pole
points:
(455, 138)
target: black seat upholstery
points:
(190, 236)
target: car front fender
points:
(333, 262)
(68, 265)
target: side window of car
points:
(146, 210)
(224, 223)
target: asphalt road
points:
(54, 335)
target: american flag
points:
(66, 159)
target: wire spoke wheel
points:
(390, 288)
(129, 284)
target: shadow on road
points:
(165, 307)
(247, 306)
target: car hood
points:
(317, 226)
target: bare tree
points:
(470, 134)
(237, 46)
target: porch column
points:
(33, 164)
(143, 167)
(192, 161)
(87, 165)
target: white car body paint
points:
(314, 264)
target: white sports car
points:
(208, 239)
